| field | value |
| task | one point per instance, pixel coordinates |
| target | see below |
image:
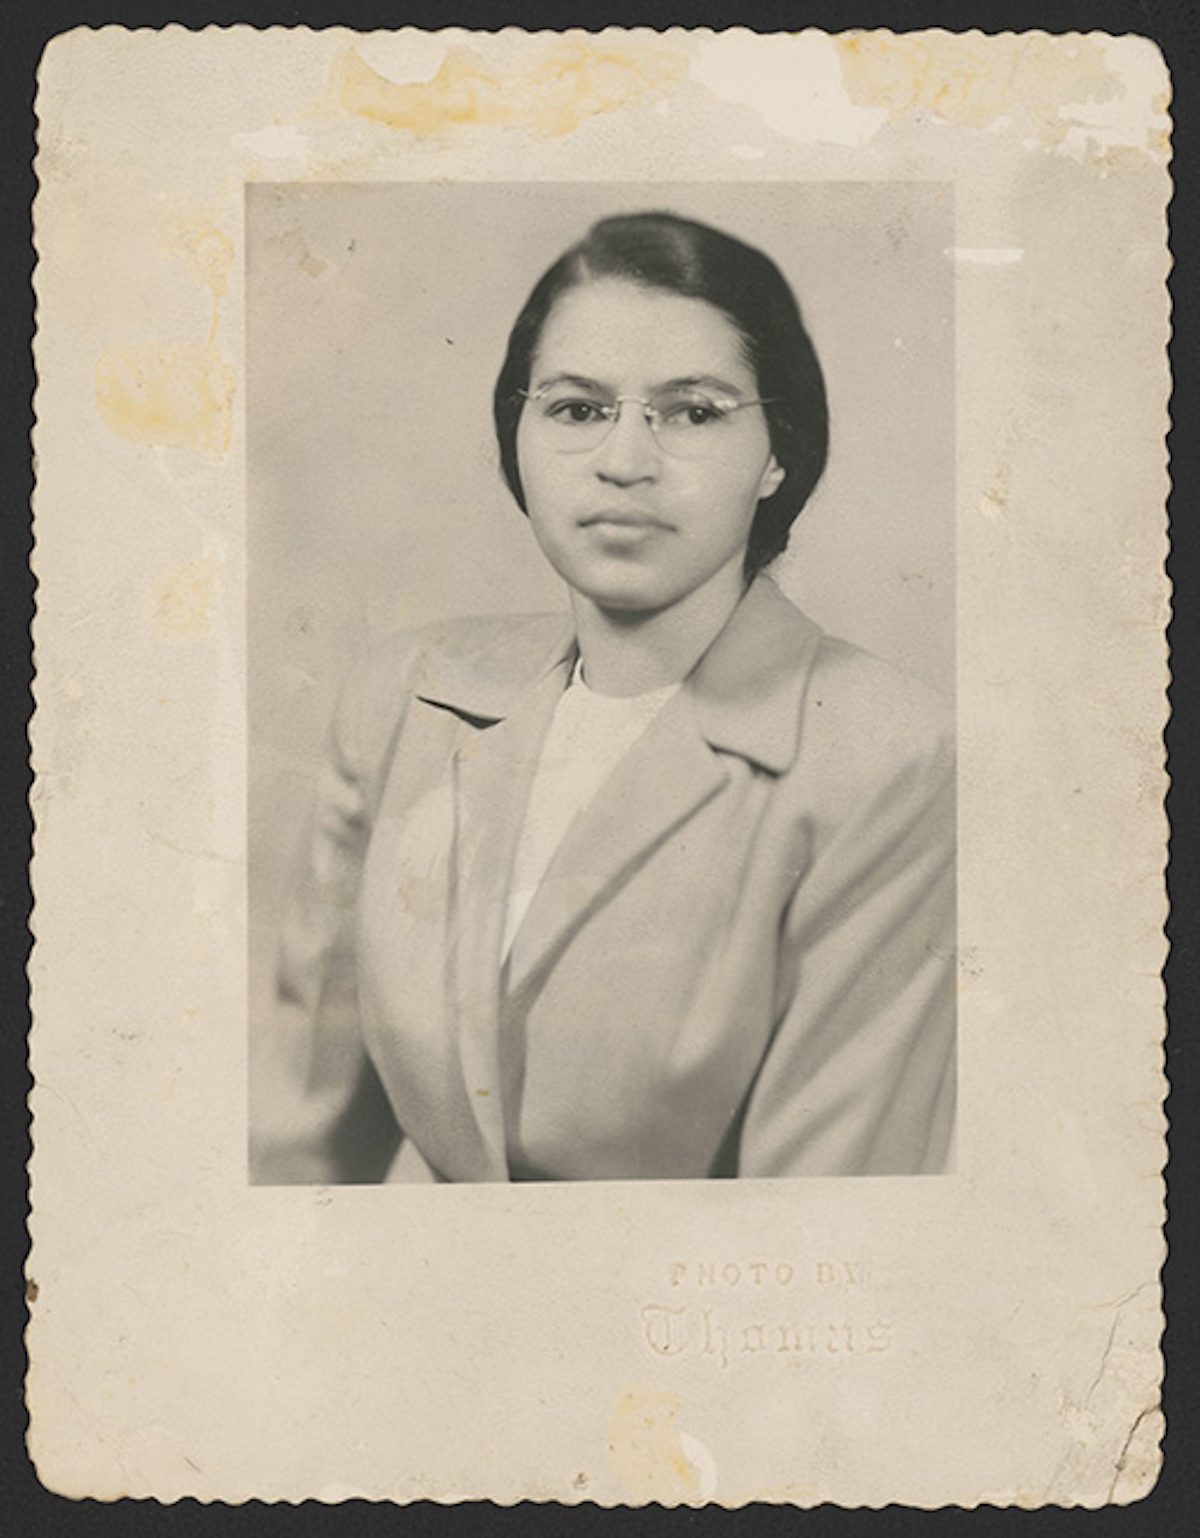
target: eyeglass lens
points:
(688, 423)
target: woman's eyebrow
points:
(680, 382)
(580, 381)
(701, 381)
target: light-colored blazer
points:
(740, 961)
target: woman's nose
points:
(630, 452)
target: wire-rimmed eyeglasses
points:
(686, 422)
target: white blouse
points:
(588, 736)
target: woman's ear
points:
(772, 479)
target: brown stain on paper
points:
(211, 253)
(176, 395)
(569, 81)
(645, 1449)
(294, 248)
(1160, 138)
(183, 601)
(975, 80)
(168, 395)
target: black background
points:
(1174, 1505)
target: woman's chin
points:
(634, 589)
(615, 585)
(629, 596)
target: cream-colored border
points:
(987, 1337)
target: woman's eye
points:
(578, 412)
(693, 414)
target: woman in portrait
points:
(662, 887)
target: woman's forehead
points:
(609, 328)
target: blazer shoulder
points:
(861, 687)
(456, 660)
(461, 642)
(870, 721)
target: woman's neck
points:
(634, 651)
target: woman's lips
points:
(622, 522)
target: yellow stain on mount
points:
(566, 83)
(183, 600)
(177, 396)
(973, 80)
(645, 1450)
(211, 253)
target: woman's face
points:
(625, 522)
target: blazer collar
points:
(749, 685)
(486, 680)
(746, 690)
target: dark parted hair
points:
(682, 256)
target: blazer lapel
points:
(492, 772)
(744, 697)
(666, 776)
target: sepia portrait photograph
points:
(657, 883)
(601, 675)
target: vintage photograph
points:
(657, 883)
(601, 673)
